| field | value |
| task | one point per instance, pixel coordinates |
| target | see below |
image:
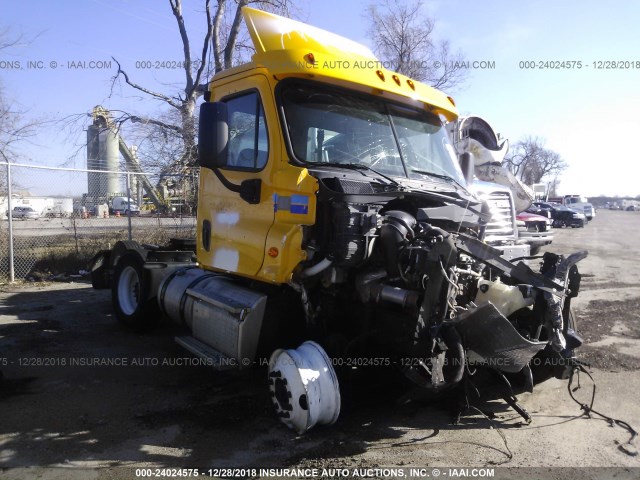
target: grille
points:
(501, 223)
(353, 187)
(536, 226)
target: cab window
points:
(248, 146)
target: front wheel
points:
(304, 387)
(130, 294)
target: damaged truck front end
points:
(435, 303)
(398, 273)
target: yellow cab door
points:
(235, 211)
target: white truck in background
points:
(578, 203)
(480, 148)
(501, 231)
(60, 207)
(540, 191)
(123, 205)
(630, 205)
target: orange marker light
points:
(411, 84)
(380, 74)
(309, 57)
(396, 79)
(273, 252)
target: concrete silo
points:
(102, 154)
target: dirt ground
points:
(61, 407)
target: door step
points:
(213, 358)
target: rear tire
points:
(130, 294)
(99, 268)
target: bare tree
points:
(530, 161)
(15, 128)
(222, 46)
(167, 143)
(183, 102)
(403, 38)
(6, 42)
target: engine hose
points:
(454, 344)
(317, 268)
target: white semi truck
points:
(578, 203)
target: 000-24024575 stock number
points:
(579, 65)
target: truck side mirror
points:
(467, 165)
(213, 135)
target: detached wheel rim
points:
(304, 387)
(129, 290)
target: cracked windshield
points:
(332, 127)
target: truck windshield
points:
(333, 127)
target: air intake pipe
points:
(397, 227)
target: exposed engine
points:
(430, 298)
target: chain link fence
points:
(55, 219)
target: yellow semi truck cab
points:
(335, 227)
(308, 101)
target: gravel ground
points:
(64, 414)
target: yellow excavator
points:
(337, 232)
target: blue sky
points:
(589, 115)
